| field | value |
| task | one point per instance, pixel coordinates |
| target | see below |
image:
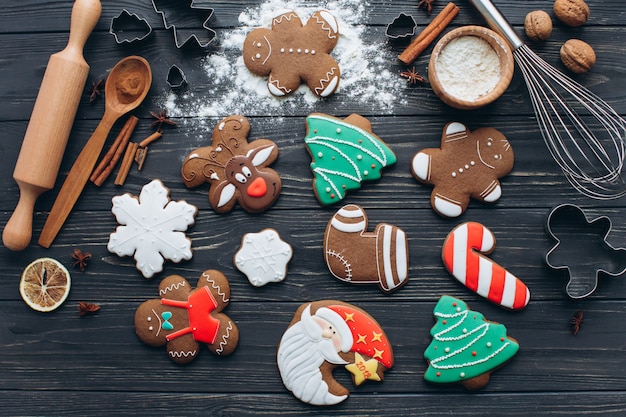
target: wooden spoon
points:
(126, 87)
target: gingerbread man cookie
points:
(290, 53)
(182, 318)
(355, 255)
(236, 170)
(326, 334)
(468, 164)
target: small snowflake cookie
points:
(263, 257)
(291, 53)
(182, 317)
(327, 334)
(152, 228)
(344, 153)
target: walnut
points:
(571, 12)
(578, 56)
(538, 25)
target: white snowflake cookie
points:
(263, 257)
(152, 228)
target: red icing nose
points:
(257, 188)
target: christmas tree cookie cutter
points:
(401, 27)
(128, 27)
(180, 18)
(176, 77)
(582, 250)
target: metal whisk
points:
(584, 134)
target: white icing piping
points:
(220, 349)
(216, 287)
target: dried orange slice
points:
(45, 284)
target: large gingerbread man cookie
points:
(236, 170)
(468, 164)
(290, 53)
(182, 318)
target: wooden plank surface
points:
(61, 364)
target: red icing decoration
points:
(199, 305)
(363, 324)
(258, 188)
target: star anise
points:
(161, 118)
(95, 90)
(87, 308)
(412, 76)
(576, 322)
(426, 4)
(80, 259)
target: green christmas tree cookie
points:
(345, 153)
(465, 348)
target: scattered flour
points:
(366, 74)
(468, 68)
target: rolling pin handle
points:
(85, 15)
(18, 230)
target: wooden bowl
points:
(505, 58)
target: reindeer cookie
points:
(355, 255)
(182, 318)
(290, 53)
(468, 164)
(236, 170)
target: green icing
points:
(343, 156)
(464, 345)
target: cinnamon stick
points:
(110, 159)
(127, 163)
(428, 35)
(156, 135)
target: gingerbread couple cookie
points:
(468, 164)
(326, 334)
(236, 170)
(290, 53)
(360, 257)
(182, 318)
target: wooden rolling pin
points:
(50, 123)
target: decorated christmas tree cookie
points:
(465, 348)
(345, 153)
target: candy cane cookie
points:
(463, 255)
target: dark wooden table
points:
(61, 364)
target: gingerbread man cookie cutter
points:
(582, 250)
(178, 19)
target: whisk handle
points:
(497, 21)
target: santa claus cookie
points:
(465, 348)
(345, 153)
(290, 53)
(355, 255)
(326, 334)
(182, 318)
(468, 164)
(236, 170)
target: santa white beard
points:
(301, 352)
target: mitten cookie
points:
(345, 153)
(355, 255)
(183, 318)
(468, 164)
(465, 348)
(323, 335)
(290, 53)
(237, 171)
(464, 256)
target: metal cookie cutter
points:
(129, 27)
(176, 77)
(403, 26)
(582, 250)
(179, 19)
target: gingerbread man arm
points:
(286, 22)
(183, 349)
(174, 287)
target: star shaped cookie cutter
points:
(582, 249)
(178, 19)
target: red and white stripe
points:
(462, 257)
